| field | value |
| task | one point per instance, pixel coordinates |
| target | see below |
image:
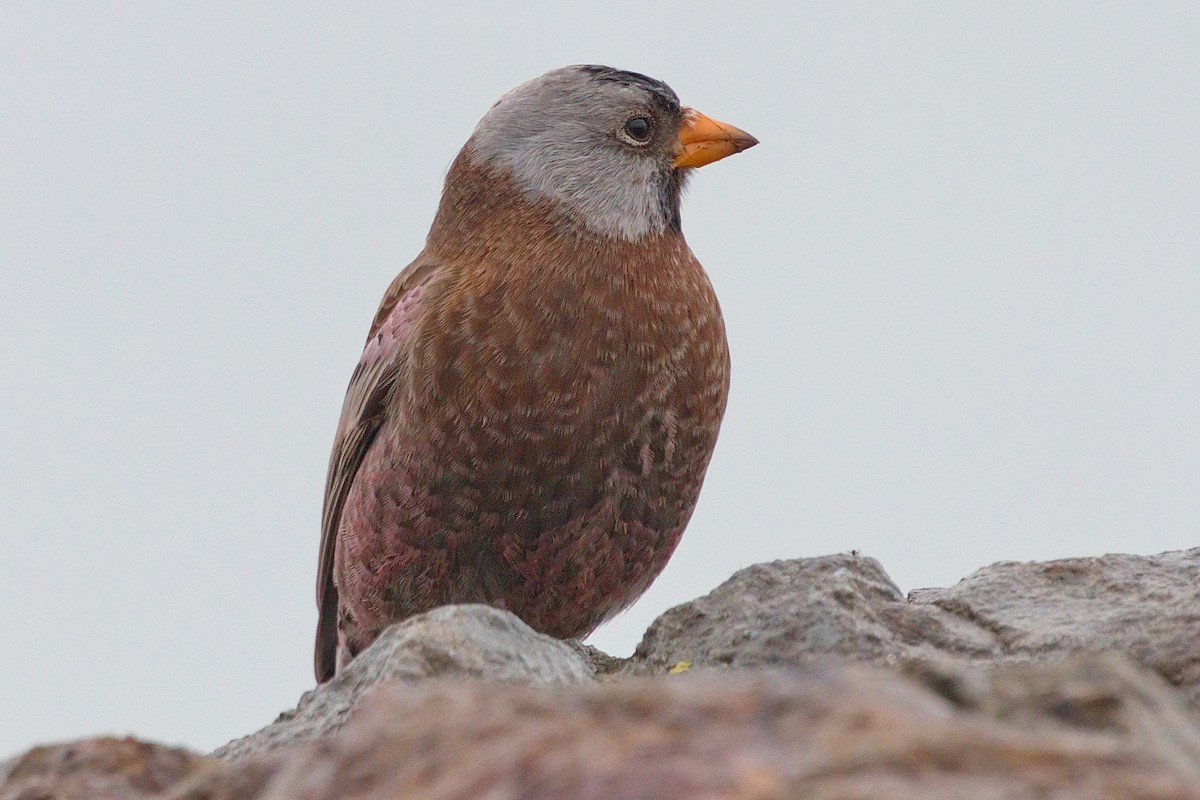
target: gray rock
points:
(114, 768)
(1086, 729)
(787, 613)
(830, 731)
(467, 641)
(1147, 607)
(983, 700)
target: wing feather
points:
(365, 409)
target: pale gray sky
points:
(960, 277)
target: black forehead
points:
(655, 88)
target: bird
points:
(541, 389)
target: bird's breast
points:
(554, 380)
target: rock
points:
(468, 641)
(1082, 730)
(116, 769)
(1094, 727)
(1147, 607)
(971, 692)
(786, 613)
(791, 612)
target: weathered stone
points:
(105, 767)
(1146, 607)
(851, 732)
(1096, 728)
(787, 613)
(469, 641)
(980, 699)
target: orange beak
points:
(703, 140)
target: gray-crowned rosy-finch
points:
(540, 393)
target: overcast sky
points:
(960, 278)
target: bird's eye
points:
(638, 129)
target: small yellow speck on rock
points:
(682, 666)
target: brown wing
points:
(363, 411)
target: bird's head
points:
(607, 147)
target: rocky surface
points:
(1146, 607)
(821, 732)
(108, 767)
(1067, 679)
(791, 612)
(471, 641)
(1095, 727)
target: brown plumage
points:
(539, 394)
